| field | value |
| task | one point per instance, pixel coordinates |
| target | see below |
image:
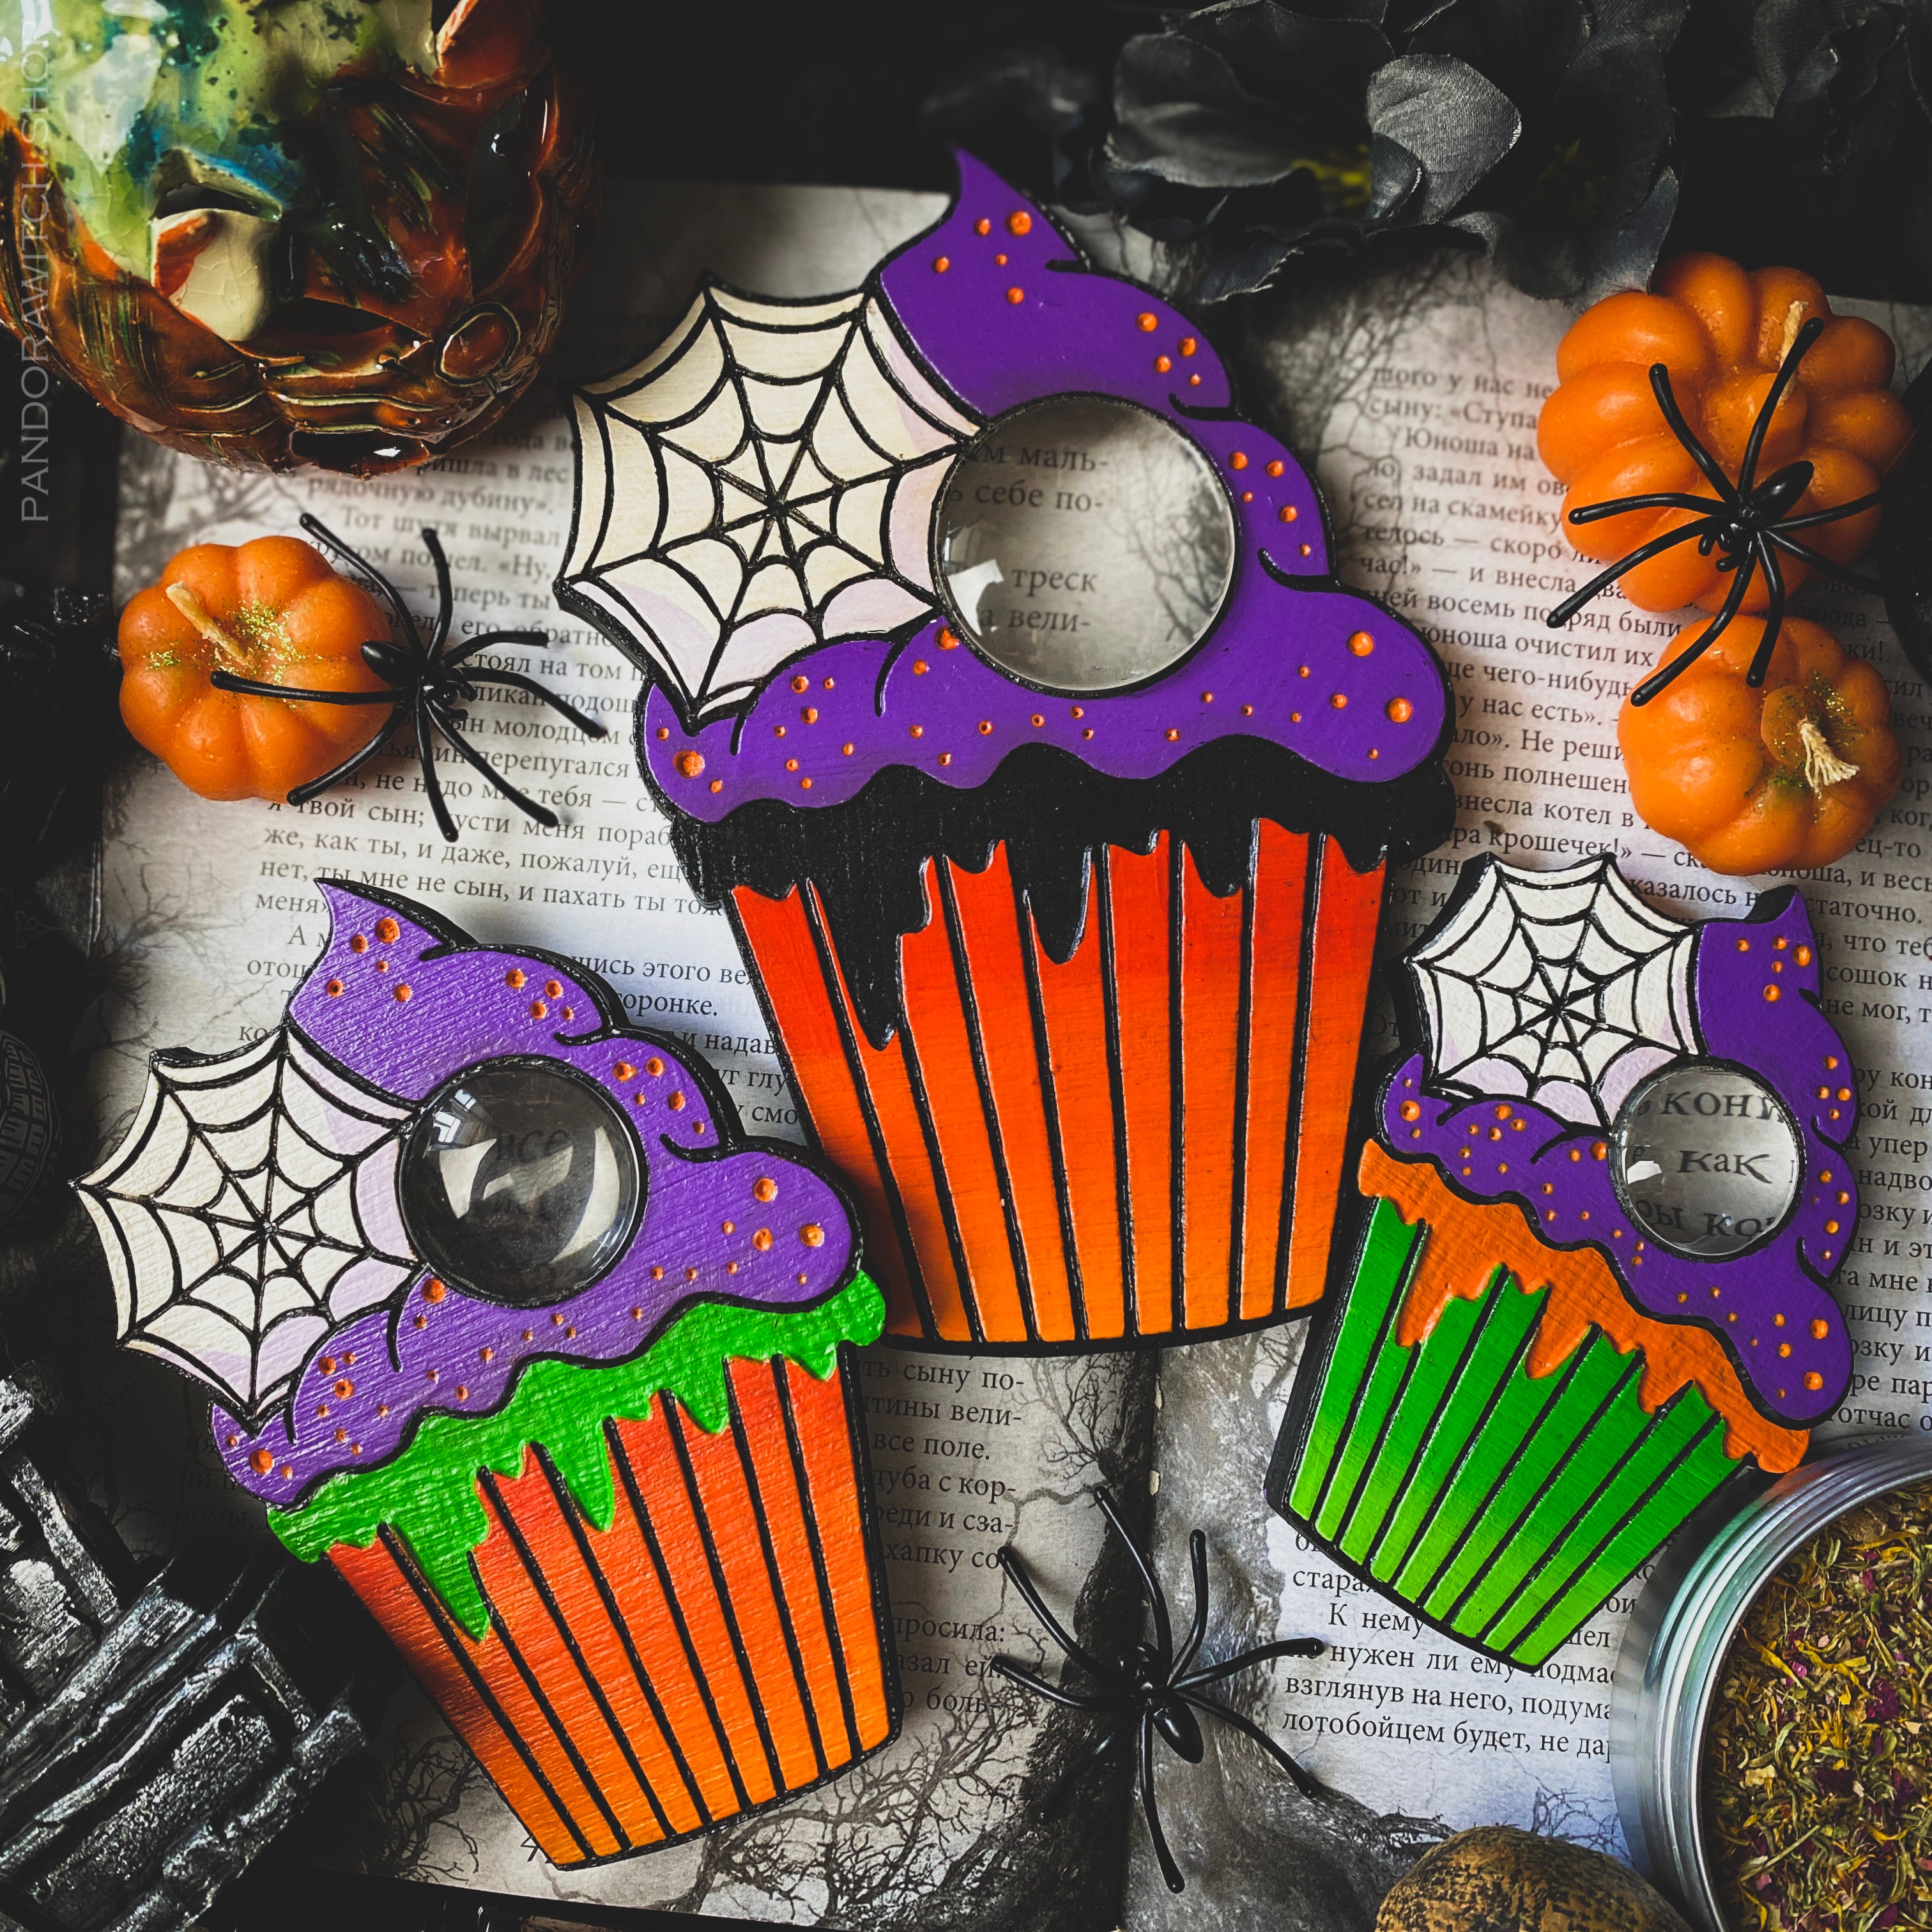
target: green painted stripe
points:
(1588, 1385)
(1379, 1395)
(1434, 1365)
(1367, 1314)
(428, 1493)
(1690, 1482)
(1484, 1468)
(1616, 1489)
(1566, 1487)
(1481, 1373)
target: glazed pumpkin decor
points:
(252, 670)
(1722, 437)
(1771, 778)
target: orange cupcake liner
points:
(1146, 1141)
(721, 1645)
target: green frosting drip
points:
(428, 1494)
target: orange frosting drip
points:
(1467, 1241)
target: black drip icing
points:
(865, 857)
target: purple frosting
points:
(1285, 664)
(402, 1006)
(1788, 1044)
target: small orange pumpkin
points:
(1773, 780)
(1722, 333)
(271, 610)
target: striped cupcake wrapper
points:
(1146, 1141)
(721, 1645)
(1503, 1508)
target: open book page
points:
(211, 919)
(1416, 396)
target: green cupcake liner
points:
(1503, 1508)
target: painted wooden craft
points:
(1605, 1195)
(505, 1317)
(1002, 691)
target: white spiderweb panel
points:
(763, 480)
(251, 1208)
(1562, 988)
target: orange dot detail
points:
(688, 764)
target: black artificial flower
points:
(1580, 206)
(1256, 132)
(1807, 138)
(1265, 132)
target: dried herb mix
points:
(1818, 1759)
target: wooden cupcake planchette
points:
(507, 1318)
(1002, 691)
(1605, 1194)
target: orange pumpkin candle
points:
(1772, 779)
(271, 609)
(1722, 334)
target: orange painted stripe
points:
(1280, 879)
(888, 1087)
(1138, 898)
(1347, 905)
(516, 1604)
(992, 941)
(761, 1427)
(624, 1558)
(571, 1584)
(935, 1035)
(660, 1480)
(824, 1428)
(1074, 1007)
(1210, 1047)
(777, 939)
(726, 1501)
(437, 1663)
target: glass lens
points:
(521, 1181)
(1084, 544)
(1705, 1159)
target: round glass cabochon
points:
(1083, 543)
(1705, 1160)
(521, 1181)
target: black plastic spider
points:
(1748, 523)
(426, 681)
(1153, 1691)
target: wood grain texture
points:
(721, 1646)
(1144, 1139)
(1468, 1241)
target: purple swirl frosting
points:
(998, 306)
(402, 1003)
(1755, 987)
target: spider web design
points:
(1563, 988)
(251, 1208)
(763, 480)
